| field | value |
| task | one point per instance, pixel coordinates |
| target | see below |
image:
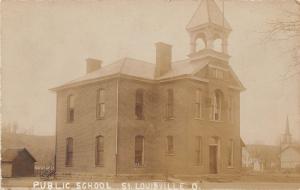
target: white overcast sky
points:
(45, 43)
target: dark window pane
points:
(139, 150)
(139, 103)
(170, 144)
(69, 151)
(99, 151)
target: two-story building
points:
(131, 117)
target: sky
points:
(45, 44)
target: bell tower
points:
(209, 31)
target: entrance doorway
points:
(213, 153)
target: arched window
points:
(139, 151)
(200, 42)
(71, 108)
(217, 105)
(99, 156)
(69, 151)
(100, 112)
(139, 104)
(217, 45)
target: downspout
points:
(117, 131)
(117, 118)
(56, 122)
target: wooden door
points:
(213, 152)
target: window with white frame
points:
(217, 105)
(139, 104)
(170, 104)
(198, 104)
(99, 156)
(170, 145)
(100, 107)
(69, 151)
(71, 108)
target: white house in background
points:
(290, 152)
(290, 157)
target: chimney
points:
(163, 58)
(92, 65)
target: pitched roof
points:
(208, 12)
(141, 70)
(127, 66)
(264, 152)
(184, 67)
(293, 146)
(136, 68)
(10, 154)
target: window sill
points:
(217, 121)
(137, 167)
(99, 166)
(170, 154)
(199, 118)
(100, 118)
(169, 118)
(140, 119)
(68, 166)
(200, 165)
(230, 167)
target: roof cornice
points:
(124, 76)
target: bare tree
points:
(287, 29)
(288, 26)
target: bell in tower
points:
(209, 31)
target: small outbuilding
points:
(17, 162)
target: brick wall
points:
(86, 127)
